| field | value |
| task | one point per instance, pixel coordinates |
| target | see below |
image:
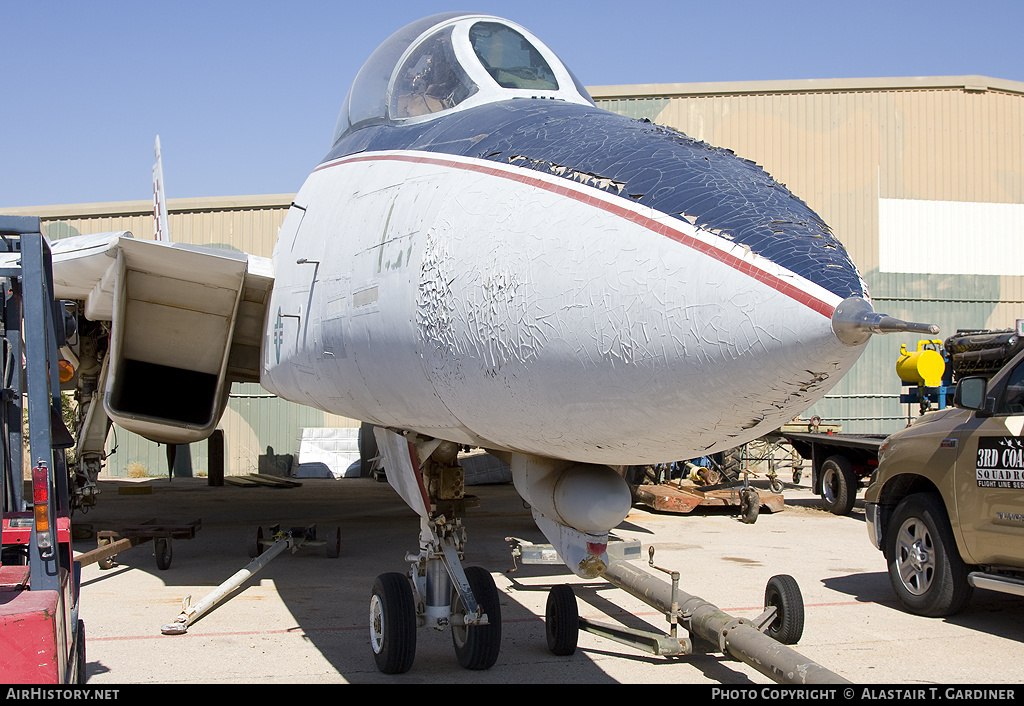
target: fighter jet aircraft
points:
(484, 258)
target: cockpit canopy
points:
(452, 62)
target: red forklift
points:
(42, 637)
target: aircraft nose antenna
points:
(854, 320)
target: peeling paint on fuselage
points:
(539, 311)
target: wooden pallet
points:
(261, 480)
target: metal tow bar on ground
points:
(265, 551)
(740, 638)
(760, 643)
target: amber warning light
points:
(65, 370)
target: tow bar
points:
(760, 643)
(264, 550)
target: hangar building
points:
(921, 178)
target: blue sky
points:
(244, 95)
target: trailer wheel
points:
(333, 542)
(254, 542)
(925, 568)
(393, 623)
(562, 620)
(107, 563)
(477, 646)
(783, 592)
(838, 485)
(162, 549)
(750, 505)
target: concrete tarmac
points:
(304, 618)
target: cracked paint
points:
(561, 281)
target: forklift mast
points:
(39, 579)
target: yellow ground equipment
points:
(925, 373)
(925, 366)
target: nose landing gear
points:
(438, 592)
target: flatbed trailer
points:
(840, 463)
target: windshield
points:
(367, 99)
(510, 59)
(430, 79)
(453, 61)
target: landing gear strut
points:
(438, 592)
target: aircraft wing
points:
(185, 322)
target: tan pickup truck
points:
(946, 503)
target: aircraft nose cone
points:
(855, 320)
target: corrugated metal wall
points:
(843, 145)
(248, 223)
(254, 419)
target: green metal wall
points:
(253, 421)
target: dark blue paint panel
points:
(644, 163)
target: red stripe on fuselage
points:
(523, 176)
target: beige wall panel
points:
(247, 223)
(842, 150)
(813, 143)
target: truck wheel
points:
(925, 568)
(838, 485)
(80, 662)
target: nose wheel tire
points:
(925, 568)
(783, 592)
(477, 646)
(393, 623)
(562, 620)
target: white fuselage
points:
(492, 305)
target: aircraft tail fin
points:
(161, 229)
